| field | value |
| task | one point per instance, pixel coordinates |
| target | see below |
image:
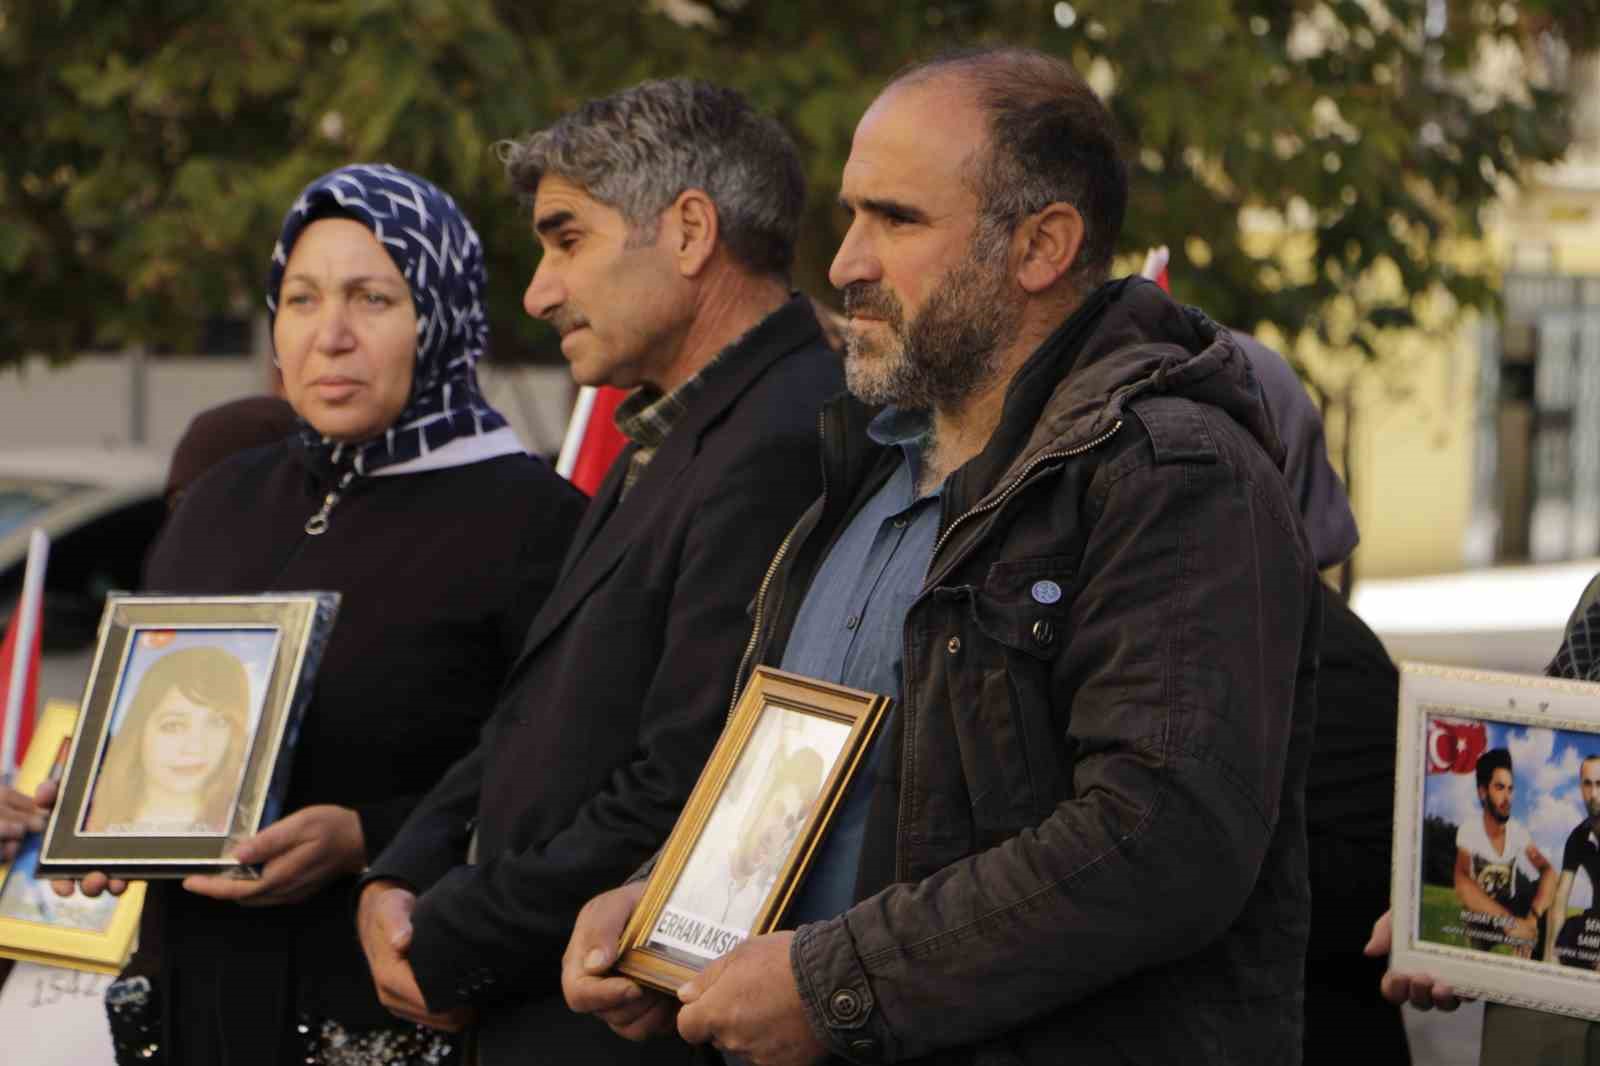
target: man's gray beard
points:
(950, 349)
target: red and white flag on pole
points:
(1155, 268)
(593, 439)
(19, 661)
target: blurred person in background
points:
(222, 431)
(406, 493)
(1350, 779)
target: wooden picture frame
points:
(186, 730)
(1487, 765)
(750, 828)
(36, 925)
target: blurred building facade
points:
(1488, 451)
(112, 400)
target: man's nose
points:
(545, 292)
(856, 260)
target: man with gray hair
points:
(667, 214)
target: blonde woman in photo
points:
(173, 766)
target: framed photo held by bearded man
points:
(746, 836)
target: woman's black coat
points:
(440, 573)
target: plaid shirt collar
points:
(648, 415)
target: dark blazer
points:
(622, 687)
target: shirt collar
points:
(908, 430)
(894, 425)
(647, 416)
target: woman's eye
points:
(297, 299)
(376, 299)
(171, 726)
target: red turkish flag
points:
(593, 440)
(19, 659)
(1454, 747)
(28, 705)
(1155, 268)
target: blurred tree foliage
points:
(147, 151)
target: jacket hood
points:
(1127, 339)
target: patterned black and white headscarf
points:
(438, 253)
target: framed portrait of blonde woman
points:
(745, 839)
(36, 925)
(187, 728)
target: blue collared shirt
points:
(850, 629)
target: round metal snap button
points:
(954, 645)
(1044, 632)
(845, 1004)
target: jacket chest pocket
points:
(1000, 681)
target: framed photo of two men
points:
(746, 836)
(184, 738)
(1497, 836)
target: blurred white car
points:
(101, 510)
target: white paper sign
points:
(54, 1017)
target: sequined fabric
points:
(327, 1043)
(136, 1036)
(134, 1021)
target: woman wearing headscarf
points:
(407, 493)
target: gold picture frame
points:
(1489, 812)
(185, 733)
(747, 834)
(38, 926)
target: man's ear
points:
(694, 231)
(1049, 241)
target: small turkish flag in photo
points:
(1454, 747)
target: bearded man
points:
(1582, 851)
(1055, 530)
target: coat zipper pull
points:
(317, 524)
